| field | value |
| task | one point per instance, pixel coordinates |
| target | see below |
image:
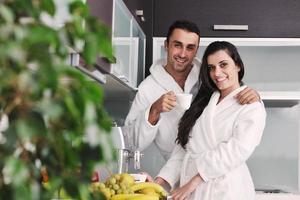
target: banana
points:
(144, 197)
(158, 189)
(125, 196)
(126, 179)
(149, 191)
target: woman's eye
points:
(223, 64)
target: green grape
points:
(101, 186)
(112, 180)
(110, 186)
(117, 177)
(116, 187)
(123, 186)
(112, 192)
(119, 191)
(106, 193)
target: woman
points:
(216, 135)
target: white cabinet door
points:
(129, 45)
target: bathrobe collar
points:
(163, 78)
(213, 109)
(227, 101)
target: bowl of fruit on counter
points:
(124, 187)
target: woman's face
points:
(223, 71)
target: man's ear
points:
(166, 44)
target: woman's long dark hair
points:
(206, 89)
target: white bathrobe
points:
(139, 132)
(223, 138)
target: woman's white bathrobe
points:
(140, 133)
(222, 139)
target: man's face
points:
(181, 50)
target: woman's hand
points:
(185, 191)
(161, 182)
(148, 177)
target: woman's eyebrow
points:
(223, 61)
(211, 65)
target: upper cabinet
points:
(102, 9)
(273, 18)
(128, 41)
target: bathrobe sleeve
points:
(139, 132)
(227, 155)
(171, 170)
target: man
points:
(154, 116)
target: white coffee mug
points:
(184, 100)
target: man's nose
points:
(182, 53)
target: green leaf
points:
(25, 8)
(31, 126)
(46, 100)
(72, 108)
(90, 50)
(94, 92)
(105, 122)
(6, 13)
(51, 109)
(79, 8)
(84, 192)
(48, 6)
(47, 76)
(15, 171)
(15, 52)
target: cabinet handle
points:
(231, 27)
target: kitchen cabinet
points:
(128, 41)
(102, 9)
(146, 6)
(122, 77)
(273, 18)
(272, 68)
(99, 9)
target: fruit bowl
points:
(124, 187)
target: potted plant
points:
(51, 115)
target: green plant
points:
(56, 116)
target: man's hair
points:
(185, 25)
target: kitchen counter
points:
(280, 196)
